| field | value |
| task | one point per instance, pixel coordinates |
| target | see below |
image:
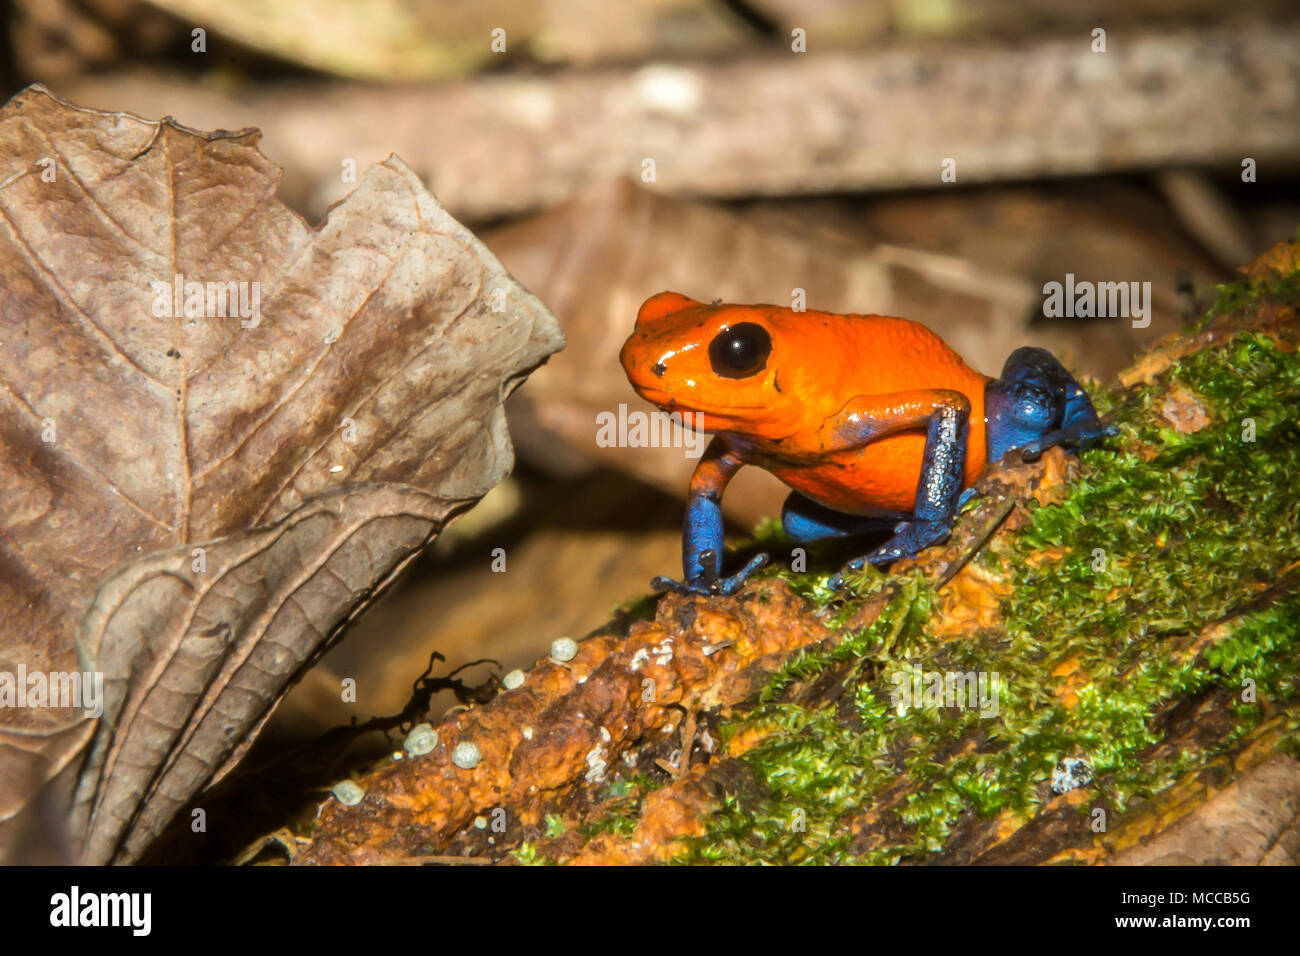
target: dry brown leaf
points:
(849, 121)
(310, 449)
(1253, 821)
(1183, 409)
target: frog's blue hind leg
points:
(1037, 404)
(805, 520)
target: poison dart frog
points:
(873, 421)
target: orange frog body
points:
(871, 420)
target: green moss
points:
(1243, 295)
(618, 824)
(527, 855)
(1142, 551)
(620, 803)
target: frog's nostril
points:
(659, 369)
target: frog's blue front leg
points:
(943, 469)
(1037, 404)
(702, 530)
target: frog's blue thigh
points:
(805, 520)
(1036, 404)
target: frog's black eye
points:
(740, 351)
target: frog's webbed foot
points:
(1082, 437)
(708, 582)
(910, 538)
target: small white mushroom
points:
(347, 793)
(596, 764)
(564, 649)
(420, 740)
(466, 755)
(512, 680)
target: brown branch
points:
(844, 120)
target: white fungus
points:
(347, 793)
(422, 739)
(466, 755)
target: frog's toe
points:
(708, 583)
(1096, 435)
(660, 583)
(912, 538)
(734, 583)
(837, 580)
(1081, 437)
(1031, 451)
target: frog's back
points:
(880, 354)
(877, 355)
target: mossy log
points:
(1099, 666)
